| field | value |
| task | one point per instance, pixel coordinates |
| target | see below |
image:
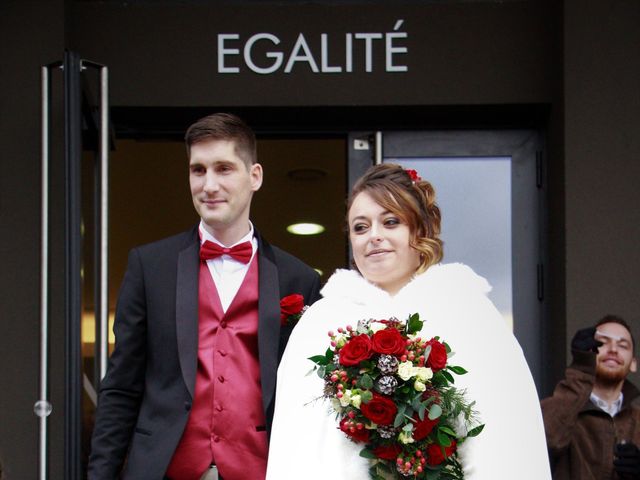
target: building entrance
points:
(309, 168)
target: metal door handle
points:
(103, 348)
(42, 408)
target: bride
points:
(394, 225)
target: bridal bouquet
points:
(393, 393)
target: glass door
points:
(74, 263)
(489, 188)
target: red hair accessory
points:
(413, 174)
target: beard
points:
(609, 376)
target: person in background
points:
(394, 231)
(189, 391)
(592, 420)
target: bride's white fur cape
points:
(452, 301)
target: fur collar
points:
(442, 279)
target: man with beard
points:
(592, 420)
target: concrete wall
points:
(602, 161)
(31, 35)
(459, 53)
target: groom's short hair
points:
(224, 126)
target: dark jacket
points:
(580, 436)
(146, 396)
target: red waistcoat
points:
(226, 425)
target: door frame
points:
(526, 149)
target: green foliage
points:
(399, 420)
(365, 381)
(367, 453)
(380, 471)
(443, 439)
(447, 375)
(325, 359)
(474, 432)
(435, 411)
(457, 370)
(447, 430)
(414, 324)
(319, 359)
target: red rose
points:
(290, 305)
(434, 453)
(388, 342)
(355, 434)
(380, 409)
(422, 428)
(355, 350)
(438, 357)
(387, 452)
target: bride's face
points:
(380, 244)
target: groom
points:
(189, 392)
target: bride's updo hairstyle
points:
(413, 202)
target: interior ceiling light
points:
(305, 229)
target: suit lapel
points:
(268, 320)
(187, 311)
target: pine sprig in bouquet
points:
(393, 392)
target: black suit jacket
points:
(146, 396)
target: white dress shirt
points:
(611, 408)
(228, 273)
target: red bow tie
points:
(241, 252)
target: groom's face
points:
(222, 185)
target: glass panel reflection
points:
(474, 195)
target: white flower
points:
(363, 326)
(405, 437)
(377, 326)
(424, 374)
(406, 370)
(419, 386)
(345, 400)
(356, 401)
(341, 340)
(335, 404)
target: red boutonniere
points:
(291, 309)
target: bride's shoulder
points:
(453, 277)
(322, 314)
(341, 280)
(348, 286)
